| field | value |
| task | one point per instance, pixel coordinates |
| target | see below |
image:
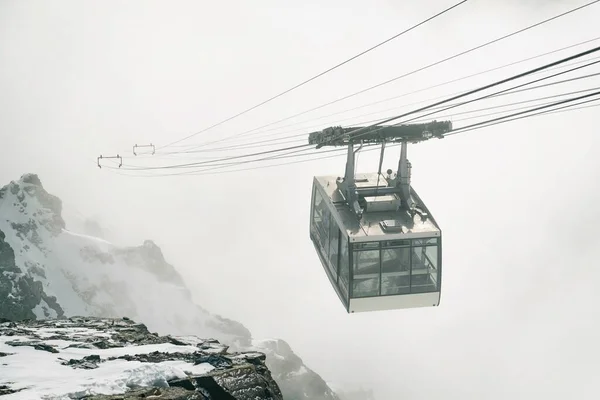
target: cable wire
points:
(321, 74)
(260, 143)
(567, 108)
(490, 122)
(482, 88)
(426, 67)
(439, 116)
(378, 125)
(253, 132)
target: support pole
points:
(347, 185)
(403, 177)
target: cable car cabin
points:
(387, 260)
(377, 241)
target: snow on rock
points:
(84, 357)
(49, 271)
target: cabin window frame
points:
(321, 231)
(344, 287)
(409, 244)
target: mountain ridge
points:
(47, 271)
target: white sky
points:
(516, 202)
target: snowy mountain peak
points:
(32, 207)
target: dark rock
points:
(187, 384)
(217, 361)
(155, 357)
(16, 343)
(45, 347)
(6, 390)
(87, 362)
(35, 345)
(30, 291)
(247, 382)
(213, 389)
(81, 346)
(256, 358)
(176, 341)
(172, 393)
(103, 344)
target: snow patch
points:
(39, 373)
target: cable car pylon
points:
(377, 255)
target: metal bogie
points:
(413, 133)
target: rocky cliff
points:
(48, 271)
(95, 358)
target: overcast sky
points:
(517, 203)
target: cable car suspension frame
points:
(398, 183)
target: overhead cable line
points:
(340, 152)
(321, 74)
(253, 132)
(490, 122)
(424, 68)
(378, 125)
(279, 139)
(293, 154)
(196, 146)
(367, 130)
(494, 120)
(485, 87)
(272, 141)
(522, 110)
(422, 119)
(258, 145)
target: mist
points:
(516, 202)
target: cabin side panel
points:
(330, 242)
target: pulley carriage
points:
(378, 242)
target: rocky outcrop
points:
(20, 293)
(48, 214)
(122, 359)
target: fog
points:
(517, 202)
